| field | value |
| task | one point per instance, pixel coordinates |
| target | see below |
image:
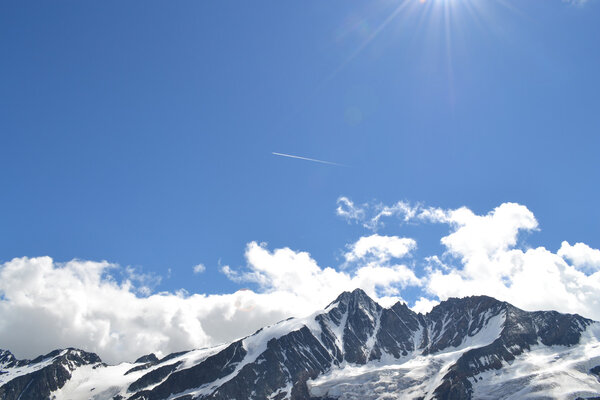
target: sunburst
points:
(441, 21)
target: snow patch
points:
(557, 372)
(411, 376)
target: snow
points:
(100, 382)
(12, 373)
(255, 345)
(411, 376)
(338, 330)
(287, 390)
(407, 379)
(371, 341)
(195, 357)
(557, 372)
(489, 332)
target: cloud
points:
(484, 255)
(424, 305)
(371, 215)
(299, 274)
(402, 210)
(380, 248)
(581, 255)
(80, 304)
(535, 279)
(488, 234)
(346, 209)
(492, 264)
(198, 269)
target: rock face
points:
(38, 378)
(353, 349)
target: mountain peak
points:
(349, 293)
(6, 358)
(355, 296)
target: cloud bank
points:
(484, 257)
(80, 304)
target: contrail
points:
(308, 159)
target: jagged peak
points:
(469, 302)
(5, 353)
(69, 352)
(401, 305)
(6, 357)
(147, 358)
(356, 296)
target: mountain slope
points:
(476, 347)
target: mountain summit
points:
(470, 348)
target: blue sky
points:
(142, 133)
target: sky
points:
(147, 202)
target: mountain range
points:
(354, 349)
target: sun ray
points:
(448, 38)
(370, 38)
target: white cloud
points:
(424, 305)
(381, 248)
(535, 279)
(200, 268)
(79, 304)
(349, 211)
(485, 256)
(297, 273)
(491, 263)
(371, 216)
(581, 255)
(477, 235)
(402, 210)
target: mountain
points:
(470, 348)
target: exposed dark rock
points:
(148, 358)
(211, 369)
(171, 356)
(39, 384)
(155, 376)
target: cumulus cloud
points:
(580, 255)
(423, 305)
(198, 269)
(476, 236)
(299, 274)
(380, 248)
(484, 254)
(79, 304)
(491, 264)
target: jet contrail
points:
(308, 159)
